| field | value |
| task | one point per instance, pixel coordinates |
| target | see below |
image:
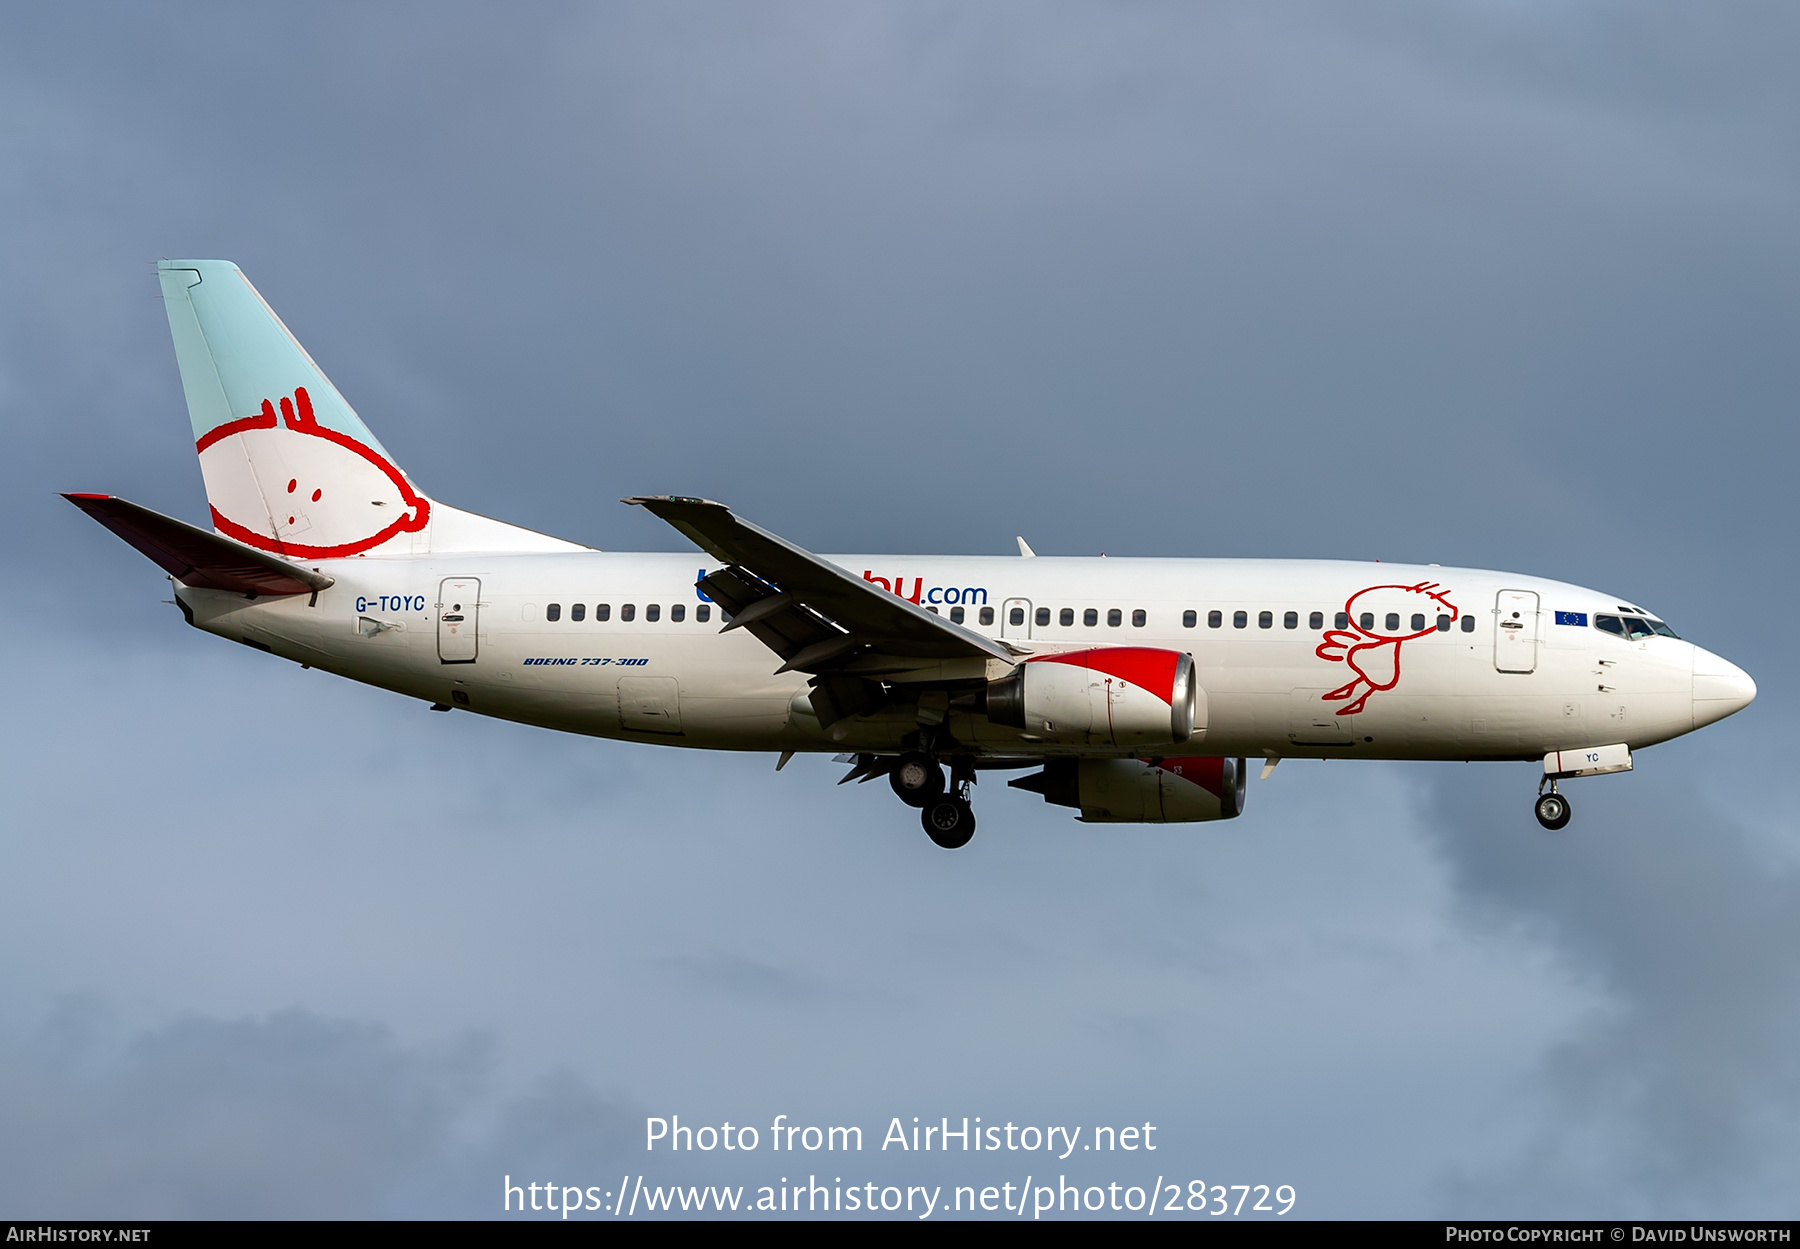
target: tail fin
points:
(289, 466)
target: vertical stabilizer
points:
(289, 466)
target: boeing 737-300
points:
(1132, 690)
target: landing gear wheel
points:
(916, 779)
(949, 822)
(1553, 811)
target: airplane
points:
(1131, 690)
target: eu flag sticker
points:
(1572, 618)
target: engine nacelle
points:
(1130, 791)
(1106, 696)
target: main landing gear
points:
(918, 781)
(949, 821)
(1552, 808)
(917, 778)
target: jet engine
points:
(1105, 696)
(1131, 791)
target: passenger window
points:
(956, 614)
(553, 611)
(1635, 629)
(987, 615)
(602, 611)
(1368, 620)
(653, 612)
(1139, 618)
(628, 611)
(934, 611)
(1316, 620)
(1265, 620)
(1189, 619)
(1443, 624)
(1090, 617)
(1114, 617)
(1468, 624)
(1043, 615)
(1214, 619)
(1239, 619)
(1066, 617)
(703, 613)
(577, 610)
(1418, 623)
(1393, 622)
(1016, 616)
(1342, 620)
(678, 613)
(1291, 620)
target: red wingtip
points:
(72, 495)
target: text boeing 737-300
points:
(1133, 689)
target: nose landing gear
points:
(1552, 809)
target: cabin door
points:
(458, 616)
(1516, 631)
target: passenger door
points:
(1516, 631)
(459, 619)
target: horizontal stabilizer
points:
(195, 557)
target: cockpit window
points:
(1638, 624)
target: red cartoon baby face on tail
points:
(294, 487)
(1382, 618)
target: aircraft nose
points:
(1720, 688)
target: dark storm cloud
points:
(937, 262)
(618, 914)
(1683, 1092)
(723, 971)
(291, 1115)
(210, 1118)
(1498, 285)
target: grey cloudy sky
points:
(1501, 284)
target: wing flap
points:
(195, 557)
(831, 617)
(779, 621)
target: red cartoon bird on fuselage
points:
(1372, 653)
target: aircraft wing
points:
(814, 614)
(195, 557)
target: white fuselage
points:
(1442, 695)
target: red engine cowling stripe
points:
(1149, 667)
(1208, 774)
